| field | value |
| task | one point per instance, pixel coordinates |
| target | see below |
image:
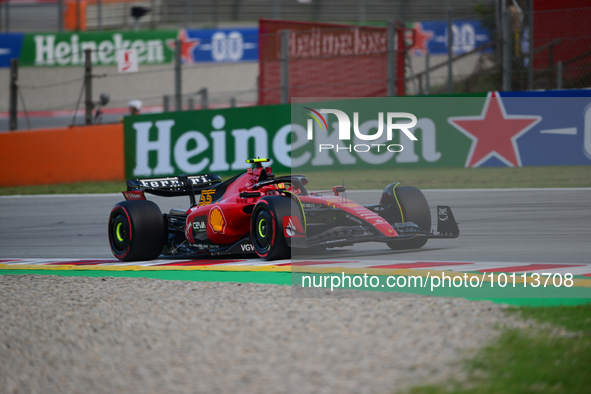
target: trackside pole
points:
(13, 109)
(391, 58)
(450, 43)
(507, 48)
(400, 51)
(7, 16)
(178, 95)
(165, 103)
(427, 82)
(88, 85)
(204, 98)
(284, 66)
(530, 55)
(60, 15)
(559, 75)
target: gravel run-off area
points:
(129, 335)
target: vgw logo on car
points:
(345, 130)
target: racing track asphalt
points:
(500, 225)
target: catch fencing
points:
(300, 59)
(53, 81)
(562, 50)
(488, 50)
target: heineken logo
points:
(167, 144)
(68, 49)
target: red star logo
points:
(187, 46)
(494, 133)
(422, 38)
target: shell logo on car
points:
(217, 221)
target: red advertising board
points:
(325, 60)
(562, 28)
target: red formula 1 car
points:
(256, 212)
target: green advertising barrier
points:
(219, 141)
(211, 141)
(487, 130)
(438, 143)
(67, 49)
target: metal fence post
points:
(420, 80)
(391, 56)
(559, 75)
(187, 13)
(427, 82)
(178, 95)
(78, 15)
(13, 109)
(400, 79)
(204, 98)
(507, 51)
(450, 43)
(153, 14)
(284, 66)
(88, 85)
(530, 65)
(165, 103)
(216, 14)
(362, 12)
(7, 16)
(191, 104)
(99, 6)
(232, 102)
(60, 15)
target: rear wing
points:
(182, 185)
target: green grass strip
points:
(423, 178)
(531, 361)
(518, 295)
(558, 297)
(67, 188)
(276, 278)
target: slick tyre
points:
(136, 231)
(415, 208)
(267, 233)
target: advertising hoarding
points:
(491, 130)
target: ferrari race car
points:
(257, 212)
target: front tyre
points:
(267, 233)
(414, 208)
(136, 231)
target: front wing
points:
(349, 235)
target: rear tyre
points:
(267, 233)
(414, 208)
(136, 231)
